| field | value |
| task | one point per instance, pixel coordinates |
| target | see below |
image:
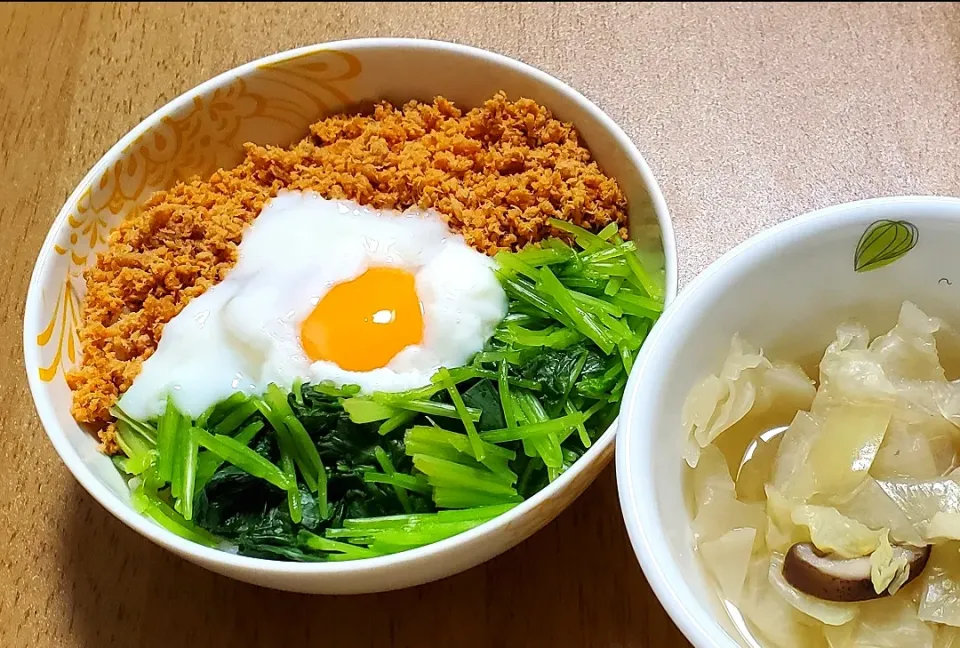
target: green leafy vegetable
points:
(140, 453)
(235, 417)
(323, 473)
(167, 428)
(302, 448)
(208, 463)
(400, 488)
(189, 474)
(478, 451)
(242, 457)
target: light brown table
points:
(748, 115)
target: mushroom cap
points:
(844, 580)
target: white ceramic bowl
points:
(785, 290)
(273, 101)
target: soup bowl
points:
(785, 291)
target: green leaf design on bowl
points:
(883, 242)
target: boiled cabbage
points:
(840, 636)
(909, 350)
(947, 637)
(789, 476)
(844, 449)
(785, 386)
(782, 532)
(728, 558)
(887, 571)
(849, 373)
(900, 369)
(747, 381)
(718, 509)
(908, 452)
(757, 467)
(834, 533)
(943, 526)
(719, 401)
(947, 400)
(697, 412)
(870, 505)
(940, 602)
(833, 614)
(775, 620)
(920, 500)
(829, 455)
(889, 622)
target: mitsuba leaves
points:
(557, 370)
(483, 395)
(254, 515)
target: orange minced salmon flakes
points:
(495, 174)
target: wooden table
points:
(748, 115)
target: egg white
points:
(243, 333)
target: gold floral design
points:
(88, 231)
(63, 325)
(273, 103)
(308, 83)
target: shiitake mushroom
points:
(831, 578)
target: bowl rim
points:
(244, 564)
(641, 513)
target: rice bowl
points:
(648, 227)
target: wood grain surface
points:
(748, 114)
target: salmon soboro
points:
(254, 358)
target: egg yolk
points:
(363, 323)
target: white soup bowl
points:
(784, 290)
